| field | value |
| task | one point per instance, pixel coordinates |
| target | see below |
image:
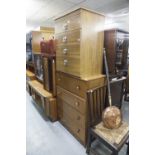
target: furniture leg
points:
(89, 142)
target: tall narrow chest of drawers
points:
(79, 36)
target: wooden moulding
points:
(30, 75)
(38, 87)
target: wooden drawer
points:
(69, 37)
(73, 85)
(72, 50)
(70, 65)
(68, 22)
(78, 86)
(73, 100)
(73, 120)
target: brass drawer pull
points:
(78, 87)
(64, 39)
(78, 130)
(77, 104)
(65, 51)
(65, 62)
(78, 118)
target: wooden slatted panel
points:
(96, 104)
(91, 106)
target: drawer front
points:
(73, 100)
(68, 65)
(73, 120)
(72, 50)
(71, 84)
(68, 22)
(70, 37)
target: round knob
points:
(65, 62)
(78, 130)
(65, 50)
(64, 39)
(59, 79)
(78, 87)
(65, 26)
(77, 104)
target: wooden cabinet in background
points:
(116, 44)
(44, 33)
(38, 66)
(36, 39)
(49, 74)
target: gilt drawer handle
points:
(78, 87)
(65, 51)
(77, 104)
(64, 39)
(65, 62)
(78, 130)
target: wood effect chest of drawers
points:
(72, 103)
(79, 44)
(79, 37)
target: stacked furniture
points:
(43, 90)
(79, 66)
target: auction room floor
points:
(46, 138)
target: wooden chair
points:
(96, 130)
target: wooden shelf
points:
(30, 74)
(38, 87)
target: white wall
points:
(117, 22)
(118, 19)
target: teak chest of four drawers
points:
(79, 65)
